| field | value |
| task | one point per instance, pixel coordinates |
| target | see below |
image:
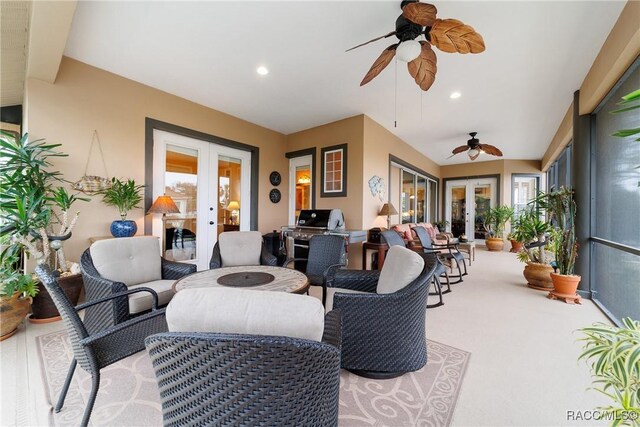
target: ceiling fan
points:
(417, 19)
(474, 148)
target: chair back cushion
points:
(404, 230)
(401, 267)
(130, 260)
(240, 248)
(243, 311)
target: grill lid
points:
(327, 219)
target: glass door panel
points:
(408, 198)
(229, 194)
(421, 199)
(433, 201)
(181, 184)
(458, 206)
(482, 200)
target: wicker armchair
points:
(233, 379)
(95, 351)
(265, 257)
(117, 310)
(383, 335)
(326, 255)
(448, 252)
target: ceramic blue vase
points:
(123, 228)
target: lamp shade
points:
(163, 205)
(233, 205)
(388, 209)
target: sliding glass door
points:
(466, 204)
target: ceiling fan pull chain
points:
(395, 112)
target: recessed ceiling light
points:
(262, 71)
(455, 95)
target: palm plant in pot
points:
(31, 208)
(124, 195)
(536, 234)
(494, 222)
(561, 208)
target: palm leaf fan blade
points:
(420, 13)
(451, 35)
(423, 69)
(460, 149)
(380, 64)
(490, 149)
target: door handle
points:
(210, 222)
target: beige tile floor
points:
(523, 368)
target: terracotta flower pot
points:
(516, 246)
(538, 276)
(12, 311)
(494, 244)
(565, 285)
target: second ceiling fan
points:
(417, 19)
(474, 148)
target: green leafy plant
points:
(495, 220)
(442, 225)
(613, 354)
(561, 208)
(531, 229)
(124, 195)
(634, 99)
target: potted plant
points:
(536, 234)
(494, 222)
(16, 293)
(613, 354)
(31, 207)
(124, 195)
(562, 212)
(441, 225)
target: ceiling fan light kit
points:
(418, 19)
(474, 148)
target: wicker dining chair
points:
(209, 378)
(96, 351)
(383, 334)
(326, 255)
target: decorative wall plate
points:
(275, 178)
(275, 195)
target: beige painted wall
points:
(85, 98)
(618, 52)
(378, 144)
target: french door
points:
(467, 201)
(210, 184)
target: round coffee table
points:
(259, 277)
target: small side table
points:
(382, 252)
(469, 248)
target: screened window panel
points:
(616, 281)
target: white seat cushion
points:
(240, 248)
(142, 301)
(243, 311)
(401, 267)
(332, 291)
(130, 260)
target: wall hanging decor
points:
(275, 178)
(376, 185)
(334, 171)
(275, 195)
(93, 184)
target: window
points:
(559, 174)
(334, 171)
(418, 194)
(524, 189)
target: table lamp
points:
(388, 210)
(234, 207)
(165, 205)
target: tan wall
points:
(618, 52)
(85, 98)
(347, 131)
(378, 144)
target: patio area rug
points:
(128, 394)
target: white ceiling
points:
(514, 94)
